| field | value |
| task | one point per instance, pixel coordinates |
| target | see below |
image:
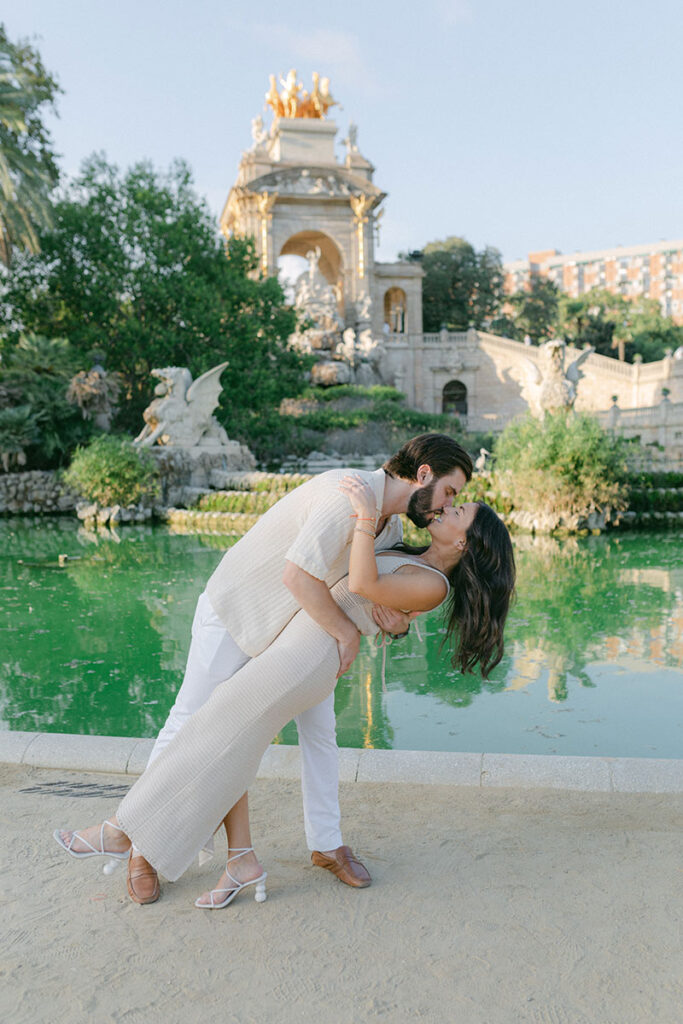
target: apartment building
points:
(654, 271)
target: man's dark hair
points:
(439, 451)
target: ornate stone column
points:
(265, 202)
(361, 206)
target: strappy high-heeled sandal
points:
(93, 851)
(259, 882)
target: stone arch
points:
(331, 260)
(395, 310)
(454, 398)
(290, 268)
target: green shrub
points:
(112, 471)
(39, 427)
(349, 406)
(490, 488)
(18, 431)
(353, 391)
(253, 502)
(567, 462)
(655, 499)
(350, 418)
(660, 479)
(280, 483)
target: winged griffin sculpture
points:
(181, 414)
(547, 386)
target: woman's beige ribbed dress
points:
(186, 792)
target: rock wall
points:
(188, 472)
(184, 475)
(35, 491)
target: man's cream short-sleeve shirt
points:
(311, 526)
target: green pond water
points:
(593, 662)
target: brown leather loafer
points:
(342, 863)
(143, 881)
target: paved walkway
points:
(490, 905)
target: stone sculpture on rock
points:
(370, 353)
(192, 448)
(547, 386)
(317, 302)
(343, 355)
(181, 415)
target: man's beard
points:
(420, 509)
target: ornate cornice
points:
(331, 183)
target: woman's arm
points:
(412, 589)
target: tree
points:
(651, 332)
(536, 310)
(616, 325)
(28, 170)
(462, 287)
(39, 426)
(597, 318)
(133, 267)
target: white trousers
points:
(213, 657)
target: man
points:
(288, 561)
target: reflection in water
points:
(581, 600)
(99, 645)
(594, 646)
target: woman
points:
(183, 795)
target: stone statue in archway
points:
(344, 355)
(364, 308)
(317, 301)
(321, 326)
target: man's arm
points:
(313, 595)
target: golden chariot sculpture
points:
(294, 101)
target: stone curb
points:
(128, 756)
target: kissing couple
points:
(280, 620)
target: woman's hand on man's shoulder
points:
(360, 494)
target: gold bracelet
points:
(361, 529)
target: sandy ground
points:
(488, 907)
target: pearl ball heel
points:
(230, 893)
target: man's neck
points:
(396, 495)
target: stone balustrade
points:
(492, 370)
(660, 424)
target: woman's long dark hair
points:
(482, 584)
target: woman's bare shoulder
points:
(411, 568)
(433, 577)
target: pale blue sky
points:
(521, 125)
